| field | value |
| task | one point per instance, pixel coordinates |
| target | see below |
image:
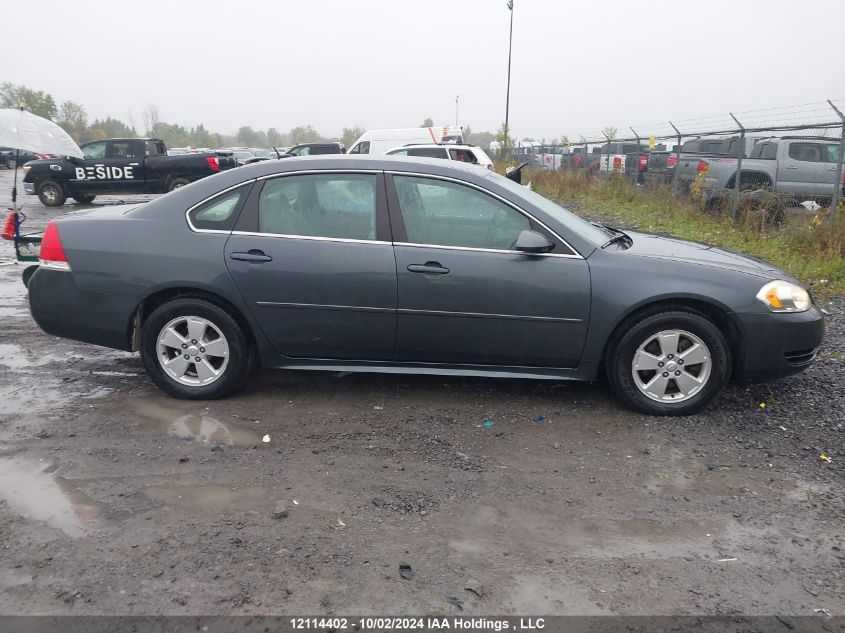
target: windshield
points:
(572, 222)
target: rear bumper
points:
(777, 345)
(60, 308)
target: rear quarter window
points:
(219, 213)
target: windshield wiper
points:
(620, 237)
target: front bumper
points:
(29, 187)
(777, 345)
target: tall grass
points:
(808, 247)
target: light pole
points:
(508, 93)
(456, 109)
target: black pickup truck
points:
(118, 166)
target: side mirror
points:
(533, 242)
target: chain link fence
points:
(787, 158)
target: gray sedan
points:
(415, 266)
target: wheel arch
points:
(718, 314)
(160, 297)
(749, 176)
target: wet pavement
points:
(115, 499)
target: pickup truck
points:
(801, 167)
(696, 152)
(613, 156)
(118, 166)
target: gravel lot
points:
(115, 499)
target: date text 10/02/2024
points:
(456, 623)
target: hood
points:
(672, 249)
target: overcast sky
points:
(577, 65)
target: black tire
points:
(176, 183)
(241, 356)
(51, 193)
(621, 355)
(84, 199)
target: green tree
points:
(110, 128)
(276, 138)
(482, 139)
(428, 122)
(200, 137)
(351, 134)
(504, 138)
(73, 118)
(304, 134)
(247, 137)
(35, 101)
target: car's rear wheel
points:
(177, 183)
(51, 194)
(194, 349)
(669, 363)
(84, 199)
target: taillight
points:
(617, 162)
(213, 163)
(52, 251)
(703, 166)
(643, 162)
(672, 160)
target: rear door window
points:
(124, 149)
(319, 205)
(463, 155)
(807, 152)
(428, 152)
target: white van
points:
(380, 141)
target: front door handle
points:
(429, 268)
(252, 255)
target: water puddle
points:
(212, 497)
(193, 426)
(30, 489)
(15, 357)
(486, 529)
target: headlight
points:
(26, 168)
(782, 296)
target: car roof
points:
(452, 145)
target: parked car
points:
(802, 167)
(695, 152)
(581, 159)
(613, 156)
(380, 141)
(9, 155)
(347, 263)
(463, 153)
(117, 165)
(313, 149)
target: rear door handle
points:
(429, 268)
(251, 256)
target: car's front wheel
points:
(83, 199)
(51, 194)
(194, 349)
(669, 363)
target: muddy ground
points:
(115, 499)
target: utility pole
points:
(456, 109)
(508, 93)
